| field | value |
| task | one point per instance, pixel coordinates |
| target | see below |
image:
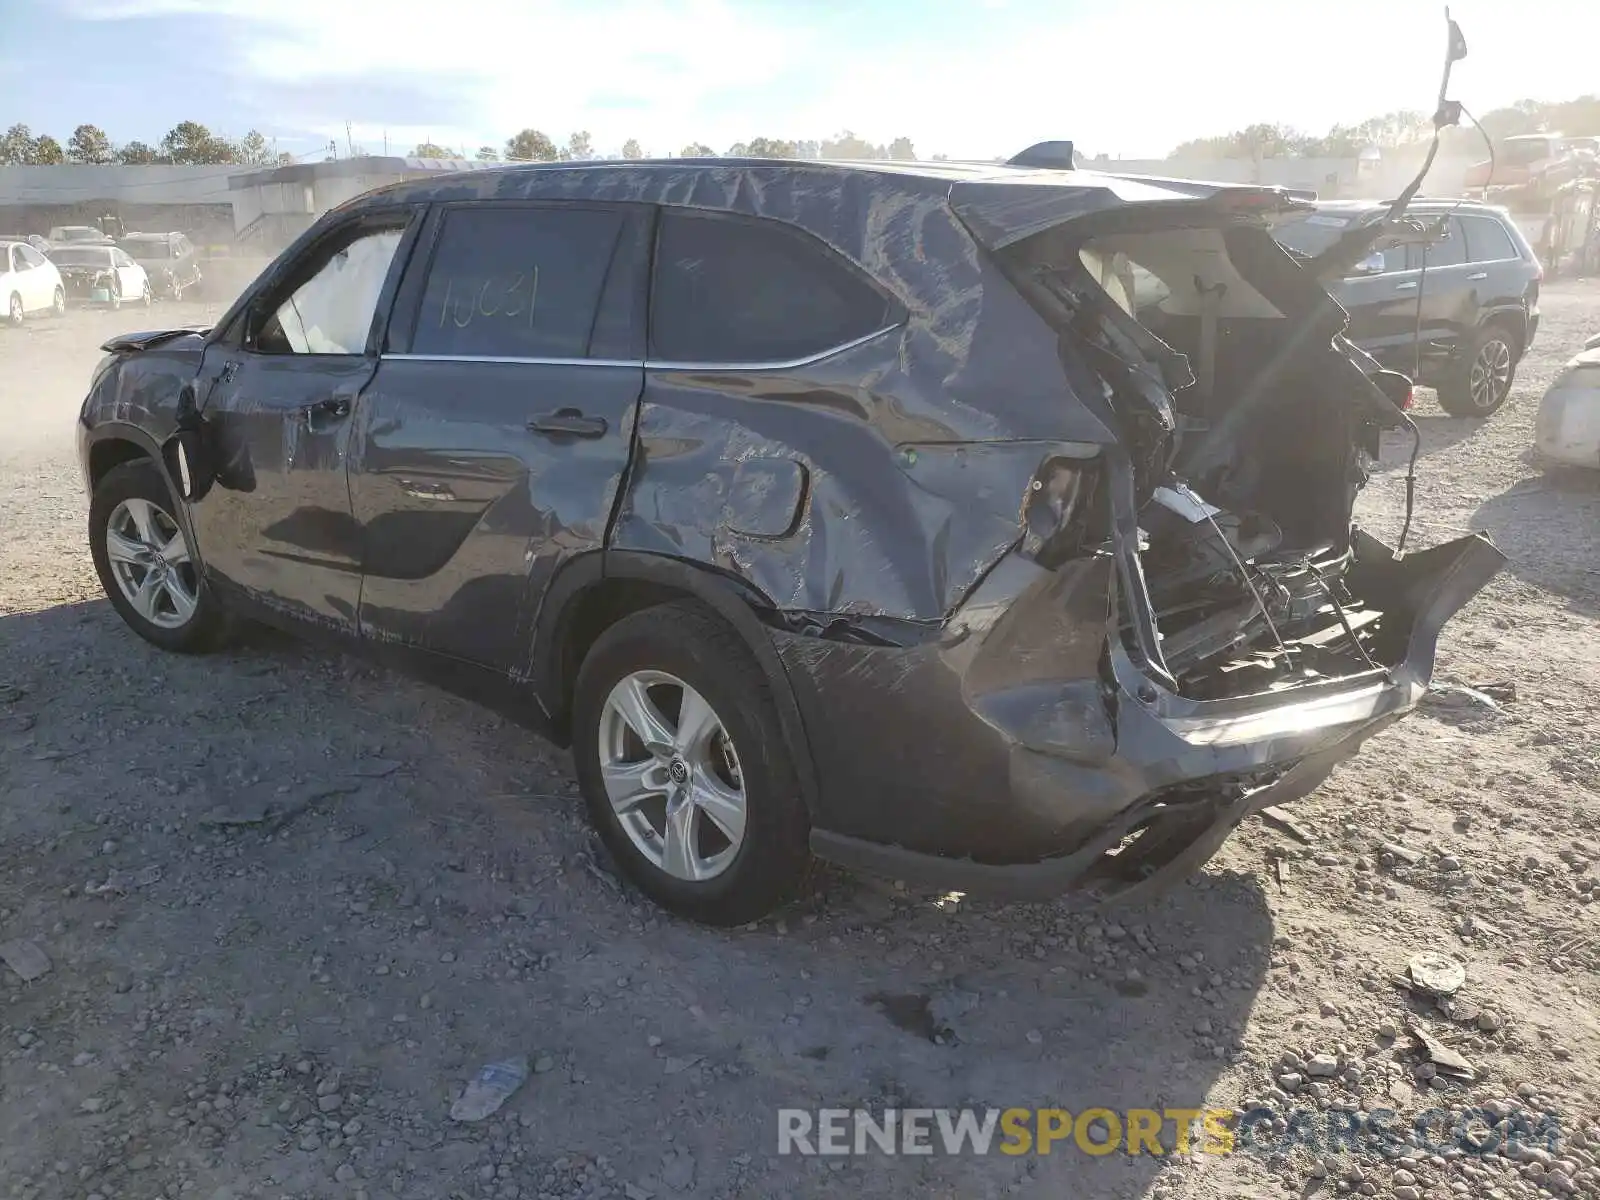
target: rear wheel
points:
(683, 764)
(144, 562)
(1479, 377)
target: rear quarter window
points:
(514, 282)
(735, 290)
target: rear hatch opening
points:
(1246, 431)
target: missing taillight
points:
(1054, 508)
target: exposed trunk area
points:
(1245, 422)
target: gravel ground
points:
(290, 904)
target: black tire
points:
(14, 310)
(208, 627)
(1478, 378)
(148, 298)
(115, 303)
(773, 860)
(58, 303)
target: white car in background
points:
(1567, 429)
(29, 283)
(101, 275)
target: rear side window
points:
(1487, 240)
(733, 290)
(514, 282)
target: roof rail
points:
(1050, 156)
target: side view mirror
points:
(1372, 264)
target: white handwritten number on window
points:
(511, 301)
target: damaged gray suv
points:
(988, 527)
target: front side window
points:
(1450, 250)
(332, 311)
(1487, 240)
(732, 290)
(511, 281)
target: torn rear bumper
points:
(1024, 756)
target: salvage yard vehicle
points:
(169, 260)
(101, 275)
(855, 510)
(29, 283)
(1566, 431)
(78, 235)
(1460, 298)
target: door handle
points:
(332, 409)
(1406, 287)
(568, 422)
(1478, 275)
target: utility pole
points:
(348, 141)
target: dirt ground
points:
(287, 1007)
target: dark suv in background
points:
(1474, 282)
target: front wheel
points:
(145, 566)
(683, 764)
(58, 303)
(14, 310)
(148, 297)
(115, 302)
(1479, 377)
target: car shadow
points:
(344, 866)
(1548, 526)
(1439, 433)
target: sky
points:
(969, 79)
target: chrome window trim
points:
(652, 364)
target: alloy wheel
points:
(150, 561)
(672, 775)
(1490, 375)
(16, 310)
(58, 303)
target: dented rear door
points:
(500, 422)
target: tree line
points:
(1399, 131)
(188, 143)
(533, 145)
